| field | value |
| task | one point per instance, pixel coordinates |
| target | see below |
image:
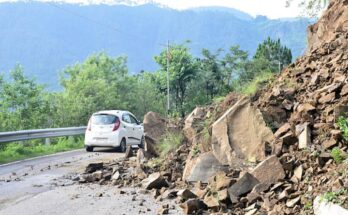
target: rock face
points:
(333, 21)
(240, 133)
(269, 171)
(202, 168)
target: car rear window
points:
(104, 119)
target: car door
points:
(137, 129)
(128, 126)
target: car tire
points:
(89, 148)
(123, 146)
(141, 144)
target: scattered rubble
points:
(269, 154)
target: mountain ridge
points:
(46, 37)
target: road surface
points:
(44, 186)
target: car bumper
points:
(107, 141)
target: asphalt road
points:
(43, 186)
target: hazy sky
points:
(270, 8)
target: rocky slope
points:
(275, 153)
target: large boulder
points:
(269, 171)
(202, 167)
(322, 207)
(194, 123)
(154, 125)
(241, 133)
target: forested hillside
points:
(45, 37)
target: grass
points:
(218, 100)
(154, 163)
(19, 151)
(338, 155)
(252, 87)
(308, 206)
(169, 143)
(333, 196)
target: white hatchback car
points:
(113, 128)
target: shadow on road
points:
(106, 150)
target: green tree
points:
(99, 83)
(211, 74)
(234, 63)
(149, 98)
(182, 70)
(23, 103)
(272, 50)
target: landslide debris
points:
(272, 154)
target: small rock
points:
(129, 152)
(283, 195)
(155, 180)
(211, 201)
(92, 167)
(223, 195)
(251, 212)
(269, 171)
(327, 98)
(292, 202)
(162, 210)
(143, 191)
(192, 206)
(282, 130)
(116, 175)
(304, 139)
(244, 185)
(329, 143)
(186, 194)
(169, 194)
(98, 175)
(298, 172)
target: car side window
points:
(126, 118)
(133, 120)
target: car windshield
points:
(104, 119)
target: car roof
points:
(113, 112)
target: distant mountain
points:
(45, 37)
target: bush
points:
(338, 155)
(169, 143)
(333, 196)
(343, 125)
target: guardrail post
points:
(47, 141)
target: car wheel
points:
(123, 145)
(89, 148)
(141, 144)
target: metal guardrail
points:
(40, 133)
